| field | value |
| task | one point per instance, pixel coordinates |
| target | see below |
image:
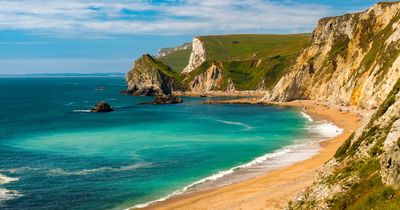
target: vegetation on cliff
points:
(177, 59)
(152, 77)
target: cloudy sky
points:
(61, 36)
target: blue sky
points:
(88, 36)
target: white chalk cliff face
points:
(197, 57)
(352, 60)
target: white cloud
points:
(180, 17)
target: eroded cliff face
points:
(150, 77)
(197, 57)
(211, 79)
(352, 60)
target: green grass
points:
(252, 46)
(149, 61)
(177, 60)
(344, 147)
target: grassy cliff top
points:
(147, 62)
(252, 46)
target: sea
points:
(55, 154)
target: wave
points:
(326, 129)
(62, 172)
(82, 110)
(308, 117)
(6, 194)
(5, 179)
(246, 126)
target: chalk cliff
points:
(197, 56)
(352, 60)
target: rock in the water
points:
(168, 99)
(102, 107)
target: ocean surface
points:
(54, 154)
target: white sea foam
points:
(62, 172)
(308, 117)
(246, 126)
(6, 194)
(280, 158)
(326, 129)
(82, 110)
(5, 179)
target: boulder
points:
(102, 107)
(167, 99)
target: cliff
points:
(151, 77)
(197, 56)
(352, 60)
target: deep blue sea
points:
(55, 155)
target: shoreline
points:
(217, 93)
(275, 188)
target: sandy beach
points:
(275, 189)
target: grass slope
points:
(177, 60)
(252, 46)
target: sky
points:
(95, 36)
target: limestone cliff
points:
(197, 56)
(353, 60)
(151, 77)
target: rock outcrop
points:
(197, 57)
(150, 77)
(352, 60)
(102, 107)
(168, 99)
(211, 79)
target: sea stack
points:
(102, 107)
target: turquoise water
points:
(66, 158)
